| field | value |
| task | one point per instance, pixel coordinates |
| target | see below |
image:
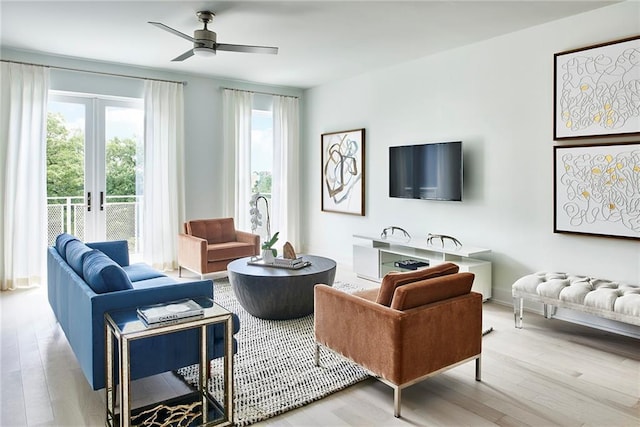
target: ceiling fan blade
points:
(187, 54)
(247, 49)
(171, 30)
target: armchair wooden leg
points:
(397, 395)
(479, 368)
(316, 356)
(179, 271)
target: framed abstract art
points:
(597, 190)
(342, 170)
(597, 90)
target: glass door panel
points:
(66, 138)
(124, 127)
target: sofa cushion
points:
(140, 271)
(395, 279)
(228, 250)
(75, 252)
(213, 230)
(103, 274)
(431, 290)
(61, 244)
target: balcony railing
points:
(67, 215)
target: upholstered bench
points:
(600, 297)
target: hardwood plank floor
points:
(549, 373)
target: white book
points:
(172, 310)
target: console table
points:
(373, 257)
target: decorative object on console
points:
(595, 188)
(385, 233)
(587, 80)
(442, 238)
(343, 172)
(288, 252)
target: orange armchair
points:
(416, 325)
(208, 245)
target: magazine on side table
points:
(172, 310)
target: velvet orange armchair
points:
(209, 245)
(415, 325)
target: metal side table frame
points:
(126, 327)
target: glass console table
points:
(124, 326)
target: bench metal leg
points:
(518, 311)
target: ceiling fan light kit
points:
(205, 41)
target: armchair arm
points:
(252, 239)
(192, 253)
(399, 345)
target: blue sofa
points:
(87, 280)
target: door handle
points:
(89, 201)
(102, 200)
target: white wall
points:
(203, 116)
(496, 96)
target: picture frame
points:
(597, 190)
(343, 171)
(594, 89)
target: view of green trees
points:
(65, 162)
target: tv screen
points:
(426, 171)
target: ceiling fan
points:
(204, 41)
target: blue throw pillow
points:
(103, 274)
(75, 251)
(61, 244)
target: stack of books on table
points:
(286, 262)
(168, 311)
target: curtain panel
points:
(286, 174)
(163, 211)
(236, 116)
(23, 174)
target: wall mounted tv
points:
(426, 171)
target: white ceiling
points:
(319, 41)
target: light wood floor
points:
(549, 373)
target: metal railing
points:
(67, 215)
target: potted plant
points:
(269, 253)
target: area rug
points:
(274, 370)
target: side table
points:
(124, 326)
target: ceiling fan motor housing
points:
(204, 38)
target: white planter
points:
(267, 256)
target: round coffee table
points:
(278, 293)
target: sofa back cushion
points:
(213, 230)
(431, 290)
(75, 252)
(61, 244)
(103, 274)
(394, 279)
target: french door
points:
(94, 167)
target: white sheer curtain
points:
(236, 116)
(163, 212)
(23, 174)
(286, 176)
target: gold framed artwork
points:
(597, 90)
(597, 190)
(342, 170)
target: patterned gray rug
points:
(273, 368)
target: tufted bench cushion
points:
(601, 297)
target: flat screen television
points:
(426, 171)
